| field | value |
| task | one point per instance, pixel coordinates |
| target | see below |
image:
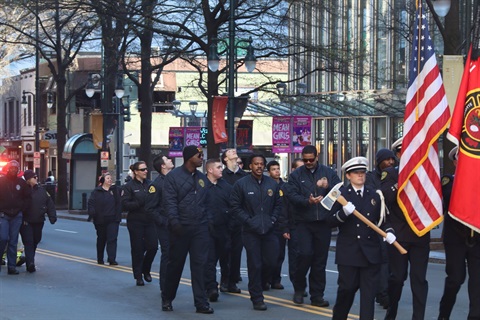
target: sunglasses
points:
(200, 155)
(239, 162)
(308, 160)
(142, 169)
(35, 177)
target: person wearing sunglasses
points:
(140, 223)
(186, 205)
(15, 198)
(34, 218)
(306, 187)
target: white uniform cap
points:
(357, 163)
(453, 154)
(397, 145)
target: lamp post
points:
(213, 64)
(177, 104)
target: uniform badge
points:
(201, 183)
(270, 192)
(445, 181)
(280, 193)
(18, 187)
(152, 189)
(373, 202)
(384, 174)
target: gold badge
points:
(373, 202)
(445, 181)
(151, 189)
(384, 174)
(281, 193)
(201, 183)
(270, 192)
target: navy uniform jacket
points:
(256, 204)
(133, 200)
(15, 195)
(301, 184)
(153, 201)
(455, 232)
(357, 244)
(396, 218)
(219, 197)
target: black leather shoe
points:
(278, 286)
(213, 295)
(223, 288)
(259, 306)
(298, 297)
(234, 289)
(320, 303)
(100, 262)
(266, 286)
(205, 310)
(167, 305)
(31, 268)
(113, 263)
(147, 277)
(13, 271)
(140, 282)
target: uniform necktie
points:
(359, 192)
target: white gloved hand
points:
(348, 208)
(390, 238)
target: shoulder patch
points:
(445, 180)
(201, 183)
(384, 174)
(152, 189)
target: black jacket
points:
(396, 218)
(15, 195)
(41, 204)
(186, 197)
(153, 201)
(374, 179)
(256, 204)
(301, 184)
(232, 177)
(357, 244)
(133, 198)
(103, 203)
(219, 197)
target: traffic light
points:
(126, 112)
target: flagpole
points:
(419, 40)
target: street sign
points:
(36, 155)
(104, 155)
(36, 162)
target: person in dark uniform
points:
(462, 253)
(15, 198)
(417, 257)
(384, 158)
(358, 252)
(140, 223)
(219, 193)
(186, 203)
(153, 205)
(34, 218)
(256, 202)
(306, 188)
(231, 174)
(104, 208)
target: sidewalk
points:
(437, 254)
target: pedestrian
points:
(415, 262)
(358, 253)
(256, 203)
(34, 218)
(231, 174)
(462, 254)
(15, 198)
(219, 195)
(307, 186)
(140, 223)
(240, 163)
(274, 280)
(104, 208)
(384, 158)
(188, 217)
(153, 204)
(50, 177)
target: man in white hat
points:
(358, 252)
(462, 250)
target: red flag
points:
(426, 117)
(465, 132)
(218, 119)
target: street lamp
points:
(213, 64)
(441, 7)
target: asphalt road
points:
(69, 284)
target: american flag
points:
(426, 117)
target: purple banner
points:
(175, 140)
(281, 135)
(302, 132)
(192, 136)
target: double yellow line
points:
(268, 298)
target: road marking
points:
(185, 281)
(67, 231)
